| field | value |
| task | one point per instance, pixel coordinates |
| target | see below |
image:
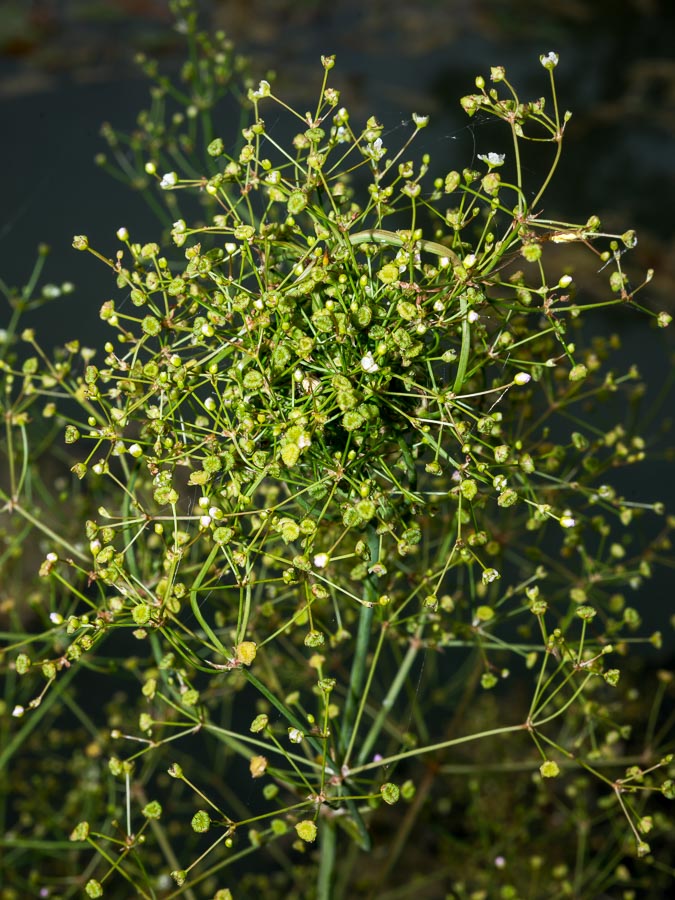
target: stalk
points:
(358, 672)
(327, 846)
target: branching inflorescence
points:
(345, 430)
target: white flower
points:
(490, 575)
(522, 378)
(368, 363)
(295, 735)
(549, 60)
(375, 150)
(420, 121)
(264, 90)
(321, 560)
(55, 618)
(567, 522)
(18, 711)
(169, 180)
(492, 159)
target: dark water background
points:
(67, 65)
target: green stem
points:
(194, 601)
(326, 860)
(388, 702)
(357, 676)
(358, 672)
(381, 236)
(35, 716)
(17, 508)
(432, 748)
(466, 345)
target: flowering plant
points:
(343, 487)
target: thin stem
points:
(389, 700)
(357, 677)
(327, 845)
(432, 748)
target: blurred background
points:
(66, 66)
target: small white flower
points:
(169, 180)
(205, 521)
(567, 522)
(499, 482)
(522, 378)
(55, 618)
(18, 711)
(490, 575)
(321, 560)
(492, 159)
(368, 363)
(123, 234)
(375, 150)
(473, 316)
(179, 226)
(264, 90)
(420, 121)
(549, 60)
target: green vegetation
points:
(337, 596)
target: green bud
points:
(22, 663)
(549, 769)
(390, 793)
(259, 723)
(93, 888)
(216, 148)
(152, 810)
(306, 830)
(80, 832)
(201, 822)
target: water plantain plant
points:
(340, 572)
